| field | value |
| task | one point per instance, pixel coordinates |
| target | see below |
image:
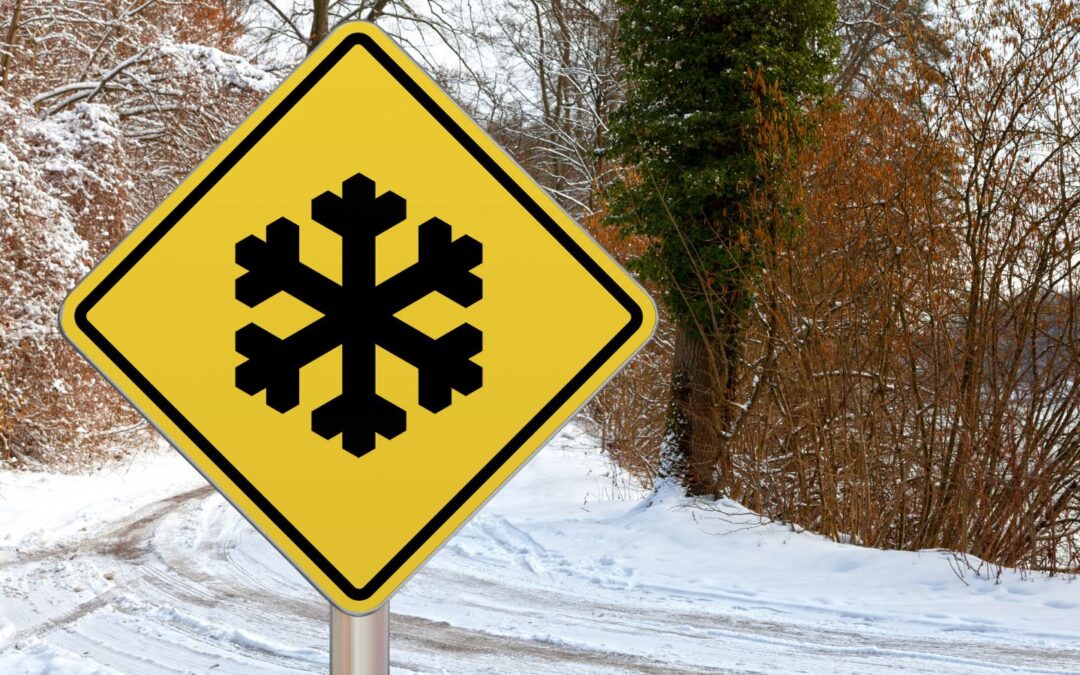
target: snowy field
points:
(144, 569)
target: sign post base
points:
(360, 645)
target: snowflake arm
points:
(358, 417)
(443, 267)
(274, 266)
(443, 364)
(274, 363)
(358, 211)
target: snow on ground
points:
(143, 569)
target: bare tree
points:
(286, 31)
(875, 31)
(568, 81)
(914, 374)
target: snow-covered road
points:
(146, 570)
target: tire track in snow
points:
(121, 541)
(201, 598)
(728, 632)
(154, 578)
(411, 636)
(63, 619)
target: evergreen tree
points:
(696, 71)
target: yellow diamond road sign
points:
(358, 318)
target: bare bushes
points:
(914, 365)
(104, 106)
(629, 415)
(51, 204)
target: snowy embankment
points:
(141, 569)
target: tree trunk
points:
(693, 438)
(320, 23)
(9, 45)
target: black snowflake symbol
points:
(358, 315)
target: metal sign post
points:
(360, 645)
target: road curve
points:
(185, 585)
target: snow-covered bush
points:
(60, 188)
(90, 141)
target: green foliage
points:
(688, 129)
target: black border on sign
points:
(420, 538)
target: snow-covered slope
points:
(142, 569)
